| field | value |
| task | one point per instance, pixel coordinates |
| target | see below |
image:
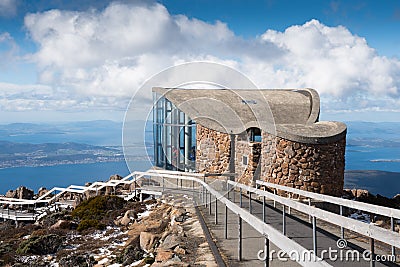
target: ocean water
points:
(386, 182)
(64, 175)
(373, 158)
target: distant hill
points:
(89, 132)
(46, 154)
(99, 132)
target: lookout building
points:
(269, 134)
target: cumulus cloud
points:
(333, 60)
(8, 8)
(98, 58)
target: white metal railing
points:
(271, 234)
(385, 211)
(375, 209)
(369, 230)
(96, 186)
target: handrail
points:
(72, 188)
(373, 231)
(283, 242)
(190, 174)
(385, 211)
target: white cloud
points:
(99, 58)
(333, 60)
(8, 49)
(8, 8)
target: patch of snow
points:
(147, 212)
(359, 216)
(103, 261)
(27, 259)
(143, 214)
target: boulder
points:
(164, 255)
(84, 260)
(179, 250)
(130, 254)
(125, 221)
(61, 224)
(147, 240)
(11, 194)
(115, 177)
(175, 261)
(361, 193)
(170, 242)
(129, 216)
(21, 192)
(42, 191)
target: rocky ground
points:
(365, 196)
(108, 231)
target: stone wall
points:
(212, 150)
(246, 170)
(313, 167)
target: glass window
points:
(254, 134)
(174, 141)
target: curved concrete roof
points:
(289, 113)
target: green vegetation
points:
(40, 245)
(87, 224)
(91, 212)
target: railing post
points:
(283, 219)
(266, 251)
(163, 184)
(227, 189)
(250, 202)
(233, 192)
(263, 204)
(289, 208)
(240, 239)
(134, 188)
(226, 222)
(341, 227)
(274, 199)
(309, 216)
(210, 206)
(206, 196)
(314, 224)
(372, 250)
(202, 194)
(392, 226)
(241, 202)
(216, 210)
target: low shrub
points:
(88, 224)
(92, 211)
(40, 245)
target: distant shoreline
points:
(384, 183)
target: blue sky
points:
(83, 60)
